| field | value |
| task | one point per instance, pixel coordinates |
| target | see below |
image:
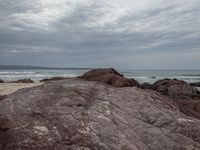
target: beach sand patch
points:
(9, 88)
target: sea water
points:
(148, 76)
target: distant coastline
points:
(18, 67)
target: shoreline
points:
(7, 88)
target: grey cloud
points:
(97, 35)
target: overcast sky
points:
(128, 34)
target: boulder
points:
(176, 89)
(195, 84)
(1, 81)
(109, 76)
(75, 114)
(52, 79)
(22, 81)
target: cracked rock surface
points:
(75, 114)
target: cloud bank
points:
(145, 34)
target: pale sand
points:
(9, 88)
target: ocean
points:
(148, 76)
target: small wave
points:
(69, 75)
(187, 77)
(24, 76)
(138, 77)
(16, 72)
(193, 75)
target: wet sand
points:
(9, 88)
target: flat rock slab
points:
(74, 114)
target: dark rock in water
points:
(75, 114)
(109, 76)
(153, 77)
(2, 97)
(145, 86)
(176, 89)
(22, 81)
(1, 81)
(195, 84)
(52, 79)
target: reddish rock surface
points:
(176, 89)
(76, 114)
(190, 107)
(52, 79)
(22, 81)
(109, 76)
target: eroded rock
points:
(81, 115)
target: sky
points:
(125, 34)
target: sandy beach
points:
(9, 88)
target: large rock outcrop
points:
(109, 76)
(176, 89)
(1, 81)
(75, 114)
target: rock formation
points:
(1, 81)
(109, 76)
(76, 114)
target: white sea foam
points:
(149, 76)
(11, 72)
